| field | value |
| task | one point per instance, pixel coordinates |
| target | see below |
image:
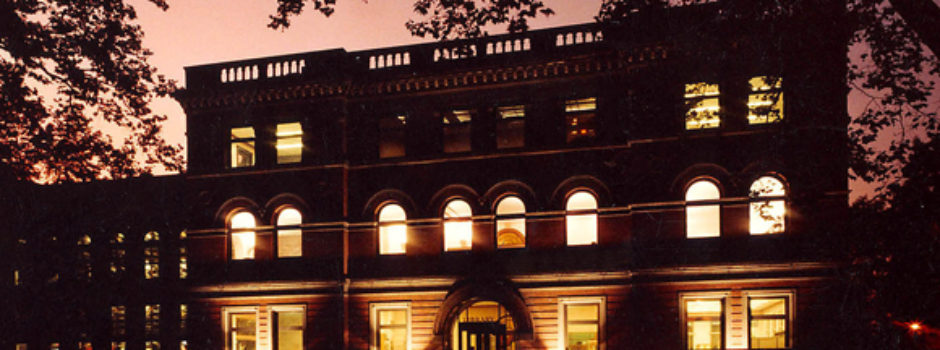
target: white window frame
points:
(374, 309)
(790, 294)
(722, 295)
(272, 327)
(600, 300)
(226, 319)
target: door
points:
(481, 336)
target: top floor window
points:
(702, 210)
(458, 226)
(242, 226)
(703, 109)
(393, 230)
(581, 219)
(579, 119)
(289, 236)
(243, 147)
(510, 223)
(457, 131)
(510, 129)
(767, 206)
(392, 133)
(151, 255)
(290, 143)
(765, 102)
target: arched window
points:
(393, 231)
(510, 223)
(702, 210)
(768, 205)
(458, 226)
(289, 236)
(581, 219)
(242, 226)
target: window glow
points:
(118, 320)
(702, 219)
(289, 235)
(581, 219)
(289, 327)
(703, 323)
(769, 322)
(703, 106)
(458, 226)
(152, 319)
(765, 102)
(242, 331)
(579, 119)
(510, 223)
(582, 325)
(289, 143)
(393, 230)
(768, 206)
(482, 311)
(243, 237)
(243, 147)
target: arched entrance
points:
(484, 325)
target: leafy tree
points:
(68, 68)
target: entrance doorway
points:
(484, 325)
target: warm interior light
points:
(393, 232)
(915, 326)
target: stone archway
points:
(475, 292)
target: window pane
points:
(582, 336)
(767, 186)
(582, 312)
(152, 319)
(767, 216)
(289, 241)
(243, 242)
(768, 307)
(242, 331)
(392, 212)
(765, 103)
(289, 143)
(392, 136)
(458, 227)
(290, 330)
(510, 130)
(243, 147)
(703, 220)
(151, 262)
(580, 119)
(510, 233)
(702, 190)
(395, 317)
(393, 232)
(393, 338)
(581, 228)
(703, 106)
(393, 328)
(243, 220)
(457, 131)
(704, 323)
(118, 320)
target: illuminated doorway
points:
(485, 325)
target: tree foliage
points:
(67, 70)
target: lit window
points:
(510, 129)
(151, 345)
(151, 255)
(54, 346)
(184, 345)
(579, 119)
(704, 323)
(184, 263)
(117, 264)
(390, 326)
(392, 134)
(703, 111)
(458, 226)
(769, 322)
(118, 345)
(152, 319)
(582, 322)
(118, 320)
(581, 219)
(510, 223)
(242, 330)
(85, 345)
(16, 278)
(457, 131)
(289, 327)
(393, 230)
(184, 317)
(21, 346)
(84, 258)
(243, 147)
(242, 226)
(765, 102)
(290, 143)
(768, 206)
(702, 210)
(289, 237)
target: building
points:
(662, 183)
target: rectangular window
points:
(152, 319)
(581, 322)
(704, 323)
(243, 147)
(579, 120)
(85, 345)
(769, 322)
(54, 346)
(703, 109)
(510, 129)
(457, 131)
(151, 262)
(288, 327)
(390, 326)
(184, 264)
(21, 346)
(392, 133)
(118, 320)
(290, 143)
(117, 265)
(119, 345)
(152, 345)
(765, 102)
(184, 317)
(16, 278)
(242, 330)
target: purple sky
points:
(207, 31)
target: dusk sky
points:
(208, 31)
